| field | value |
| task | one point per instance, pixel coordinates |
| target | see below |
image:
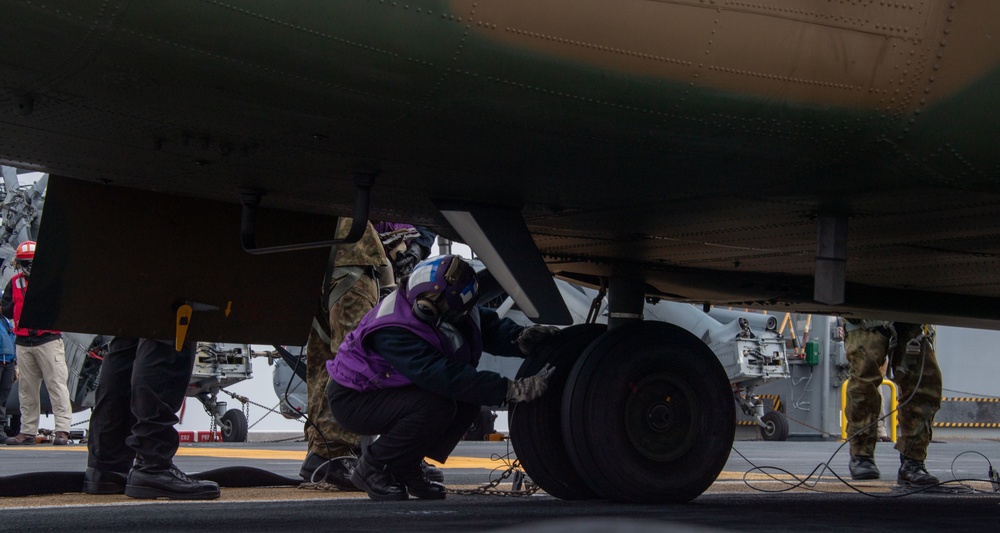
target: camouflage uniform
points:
(867, 346)
(326, 438)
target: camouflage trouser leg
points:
(866, 349)
(325, 436)
(919, 391)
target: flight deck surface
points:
(786, 493)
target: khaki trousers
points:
(37, 363)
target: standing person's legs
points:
(51, 359)
(7, 372)
(160, 377)
(866, 349)
(916, 372)
(320, 437)
(109, 458)
(28, 390)
(918, 376)
(326, 437)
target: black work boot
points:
(149, 481)
(418, 485)
(914, 473)
(432, 473)
(104, 482)
(377, 482)
(336, 472)
(863, 467)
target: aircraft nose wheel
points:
(775, 426)
(648, 415)
(234, 426)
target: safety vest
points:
(359, 367)
(19, 284)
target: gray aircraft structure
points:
(217, 365)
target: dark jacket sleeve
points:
(430, 369)
(499, 334)
(7, 302)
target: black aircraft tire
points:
(776, 426)
(234, 426)
(648, 415)
(535, 427)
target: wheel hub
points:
(661, 417)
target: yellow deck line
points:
(249, 453)
(455, 461)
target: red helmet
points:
(25, 250)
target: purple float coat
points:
(359, 367)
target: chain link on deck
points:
(319, 485)
(491, 488)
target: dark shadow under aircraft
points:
(822, 157)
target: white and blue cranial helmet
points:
(442, 287)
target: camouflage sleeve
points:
(366, 252)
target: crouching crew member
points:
(408, 373)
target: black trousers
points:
(7, 371)
(141, 388)
(412, 423)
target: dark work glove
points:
(529, 388)
(407, 260)
(533, 336)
